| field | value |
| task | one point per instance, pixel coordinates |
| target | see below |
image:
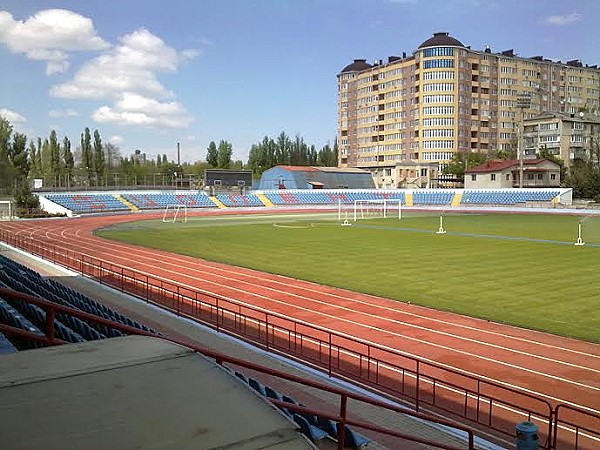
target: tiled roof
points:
(441, 39)
(503, 164)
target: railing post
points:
(50, 325)
(330, 355)
(417, 387)
(341, 426)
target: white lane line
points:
(285, 283)
(369, 327)
(374, 316)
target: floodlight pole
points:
(523, 102)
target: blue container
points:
(527, 436)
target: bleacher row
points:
(314, 427)
(32, 318)
(90, 203)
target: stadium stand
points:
(432, 197)
(239, 200)
(134, 201)
(161, 200)
(512, 197)
(32, 318)
(88, 203)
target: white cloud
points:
(565, 19)
(116, 139)
(56, 113)
(134, 109)
(126, 74)
(49, 35)
(12, 116)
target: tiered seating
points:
(432, 197)
(163, 199)
(10, 316)
(314, 427)
(67, 328)
(318, 197)
(491, 197)
(88, 203)
(283, 198)
(238, 200)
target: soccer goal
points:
(175, 213)
(380, 208)
(7, 210)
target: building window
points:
(423, 172)
(540, 176)
(438, 64)
(473, 177)
(493, 177)
(507, 176)
(553, 176)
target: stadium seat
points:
(258, 387)
(315, 434)
(354, 440)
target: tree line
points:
(94, 164)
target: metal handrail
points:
(52, 309)
(212, 310)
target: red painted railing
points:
(425, 385)
(342, 418)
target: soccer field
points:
(513, 268)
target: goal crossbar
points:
(384, 207)
(175, 213)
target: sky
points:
(149, 74)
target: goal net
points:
(7, 210)
(381, 208)
(175, 213)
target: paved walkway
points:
(170, 325)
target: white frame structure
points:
(385, 203)
(7, 210)
(177, 210)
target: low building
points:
(502, 174)
(567, 136)
(406, 175)
(309, 177)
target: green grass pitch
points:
(512, 268)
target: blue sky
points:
(148, 74)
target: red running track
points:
(557, 369)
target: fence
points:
(342, 418)
(424, 385)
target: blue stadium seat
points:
(315, 434)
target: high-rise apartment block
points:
(417, 111)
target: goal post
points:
(175, 213)
(7, 210)
(380, 208)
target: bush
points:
(596, 198)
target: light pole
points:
(523, 102)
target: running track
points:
(559, 370)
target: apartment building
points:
(566, 136)
(446, 98)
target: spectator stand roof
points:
(310, 177)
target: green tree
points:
(69, 161)
(55, 164)
(212, 154)
(19, 159)
(5, 167)
(462, 161)
(87, 158)
(224, 150)
(99, 164)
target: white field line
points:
(261, 282)
(433, 362)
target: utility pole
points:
(523, 102)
